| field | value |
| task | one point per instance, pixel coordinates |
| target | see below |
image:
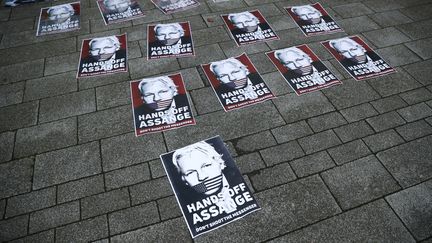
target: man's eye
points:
(206, 165)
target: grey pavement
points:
(351, 163)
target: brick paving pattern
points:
(349, 163)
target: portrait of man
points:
(103, 55)
(357, 58)
(236, 82)
(169, 40)
(59, 18)
(249, 27)
(171, 6)
(207, 185)
(302, 69)
(313, 19)
(114, 11)
(162, 103)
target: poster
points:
(169, 40)
(302, 69)
(103, 55)
(115, 11)
(357, 58)
(249, 27)
(172, 6)
(313, 20)
(236, 82)
(208, 186)
(160, 104)
(59, 18)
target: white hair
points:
(246, 13)
(107, 1)
(176, 26)
(231, 60)
(202, 147)
(296, 50)
(311, 8)
(68, 8)
(335, 42)
(163, 79)
(114, 40)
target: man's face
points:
(59, 15)
(353, 52)
(118, 6)
(245, 23)
(201, 172)
(168, 35)
(157, 95)
(310, 15)
(102, 50)
(231, 75)
(296, 62)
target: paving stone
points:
(33, 52)
(160, 188)
(420, 71)
(127, 176)
(228, 125)
(203, 54)
(113, 95)
(277, 83)
(319, 141)
(351, 93)
(105, 123)
(357, 25)
(133, 218)
(262, 63)
(21, 71)
(17, 25)
(53, 217)
(393, 83)
(2, 208)
(352, 9)
(249, 163)
(390, 18)
(45, 137)
(141, 67)
(281, 153)
(45, 236)
(417, 29)
(398, 55)
(418, 12)
(326, 121)
(18, 116)
(62, 63)
(388, 104)
(415, 112)
(66, 164)
(383, 140)
(32, 201)
(353, 131)
(256, 141)
(15, 177)
(359, 182)
(125, 150)
(385, 121)
(349, 151)
(409, 163)
(414, 130)
(205, 100)
(360, 112)
(291, 131)
(210, 36)
(309, 202)
(174, 230)
(50, 86)
(67, 105)
(104, 203)
(273, 176)
(80, 188)
(192, 78)
(386, 37)
(4, 14)
(6, 146)
(11, 94)
(416, 96)
(421, 47)
(312, 164)
(168, 208)
(86, 83)
(156, 168)
(13, 228)
(413, 207)
(373, 222)
(83, 231)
